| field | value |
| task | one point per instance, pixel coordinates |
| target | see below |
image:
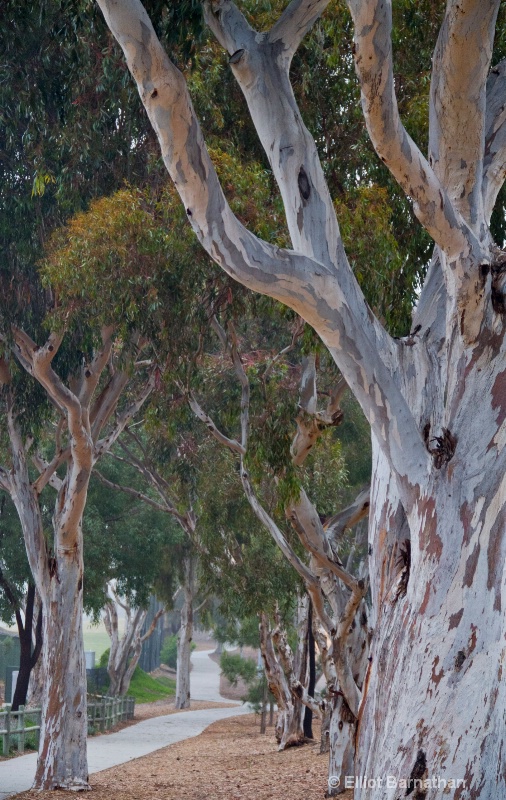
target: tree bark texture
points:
(185, 636)
(431, 707)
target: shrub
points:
(168, 653)
(234, 666)
(104, 658)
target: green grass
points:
(146, 689)
(96, 639)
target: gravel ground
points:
(230, 760)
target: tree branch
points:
(152, 627)
(48, 471)
(93, 371)
(104, 445)
(295, 21)
(460, 68)
(348, 517)
(374, 65)
(310, 581)
(317, 282)
(305, 520)
(131, 492)
(27, 506)
(494, 164)
(232, 444)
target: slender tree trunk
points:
(308, 714)
(185, 636)
(62, 759)
(288, 730)
(37, 682)
(29, 653)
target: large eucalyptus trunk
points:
(185, 636)
(62, 759)
(436, 677)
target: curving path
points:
(16, 775)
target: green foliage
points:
(14, 569)
(168, 654)
(147, 689)
(235, 667)
(124, 539)
(365, 218)
(104, 658)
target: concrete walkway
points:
(205, 677)
(16, 775)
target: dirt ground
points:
(230, 760)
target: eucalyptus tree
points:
(306, 480)
(438, 466)
(82, 417)
(256, 587)
(95, 371)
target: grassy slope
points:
(146, 689)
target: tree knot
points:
(444, 448)
(498, 291)
(304, 185)
(404, 561)
(236, 57)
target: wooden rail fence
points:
(103, 714)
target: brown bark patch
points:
(466, 515)
(455, 619)
(496, 561)
(472, 638)
(499, 397)
(426, 598)
(471, 564)
(436, 677)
